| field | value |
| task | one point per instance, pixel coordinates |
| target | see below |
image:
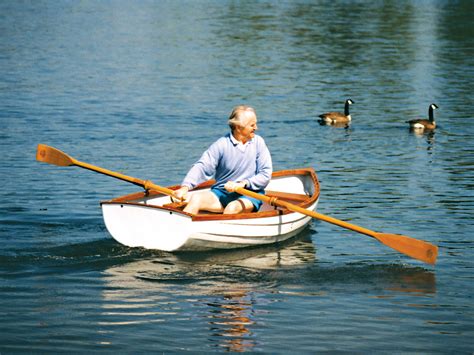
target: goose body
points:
(421, 124)
(337, 117)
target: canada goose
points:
(337, 117)
(420, 124)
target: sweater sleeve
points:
(204, 169)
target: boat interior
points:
(285, 196)
(301, 189)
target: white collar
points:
(237, 142)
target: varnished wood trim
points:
(227, 217)
(304, 201)
(287, 195)
(176, 205)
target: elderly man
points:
(239, 159)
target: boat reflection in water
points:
(230, 319)
(218, 291)
(224, 296)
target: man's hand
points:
(231, 185)
(181, 193)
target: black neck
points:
(431, 114)
(346, 109)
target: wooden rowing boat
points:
(151, 220)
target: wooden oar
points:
(54, 156)
(414, 248)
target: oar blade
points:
(50, 155)
(417, 249)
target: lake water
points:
(144, 87)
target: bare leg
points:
(205, 200)
(238, 206)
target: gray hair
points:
(239, 114)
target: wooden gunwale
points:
(302, 200)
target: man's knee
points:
(238, 206)
(233, 207)
(203, 201)
(192, 205)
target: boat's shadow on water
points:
(290, 262)
(296, 251)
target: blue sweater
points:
(229, 160)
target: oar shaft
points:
(146, 184)
(54, 156)
(109, 173)
(328, 219)
(294, 208)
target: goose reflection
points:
(430, 139)
(428, 135)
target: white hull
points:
(150, 222)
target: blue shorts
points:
(225, 197)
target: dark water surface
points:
(144, 87)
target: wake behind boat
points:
(151, 220)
